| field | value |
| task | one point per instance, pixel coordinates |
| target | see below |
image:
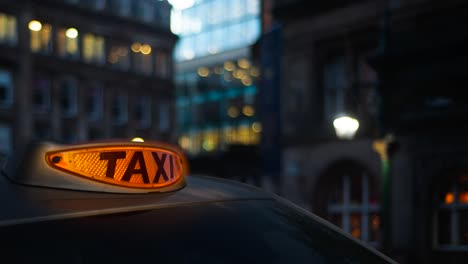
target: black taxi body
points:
(57, 210)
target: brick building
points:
(74, 71)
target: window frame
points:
(364, 208)
(9, 93)
(454, 209)
(94, 92)
(73, 100)
(120, 100)
(47, 90)
(10, 37)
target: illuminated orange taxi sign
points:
(127, 166)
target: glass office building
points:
(215, 76)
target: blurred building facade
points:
(216, 79)
(397, 67)
(73, 71)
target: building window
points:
(120, 7)
(41, 95)
(164, 117)
(144, 10)
(162, 65)
(352, 206)
(5, 140)
(8, 34)
(6, 88)
(93, 102)
(120, 109)
(191, 142)
(40, 36)
(118, 57)
(93, 48)
(94, 4)
(42, 131)
(162, 13)
(67, 42)
(68, 97)
(142, 58)
(143, 112)
(451, 214)
(94, 134)
(69, 134)
(334, 84)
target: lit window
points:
(143, 111)
(6, 88)
(192, 142)
(142, 58)
(229, 135)
(8, 34)
(41, 95)
(243, 134)
(210, 140)
(93, 48)
(118, 57)
(68, 97)
(67, 42)
(353, 207)
(184, 142)
(93, 102)
(40, 36)
(451, 213)
(120, 109)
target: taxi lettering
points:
(137, 165)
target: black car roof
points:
(26, 204)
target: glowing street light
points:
(71, 33)
(345, 127)
(35, 25)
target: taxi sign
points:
(109, 167)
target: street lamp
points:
(345, 127)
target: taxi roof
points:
(27, 204)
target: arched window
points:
(451, 213)
(348, 198)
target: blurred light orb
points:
(138, 139)
(71, 33)
(145, 49)
(136, 47)
(257, 127)
(345, 127)
(35, 25)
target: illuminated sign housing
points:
(121, 167)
